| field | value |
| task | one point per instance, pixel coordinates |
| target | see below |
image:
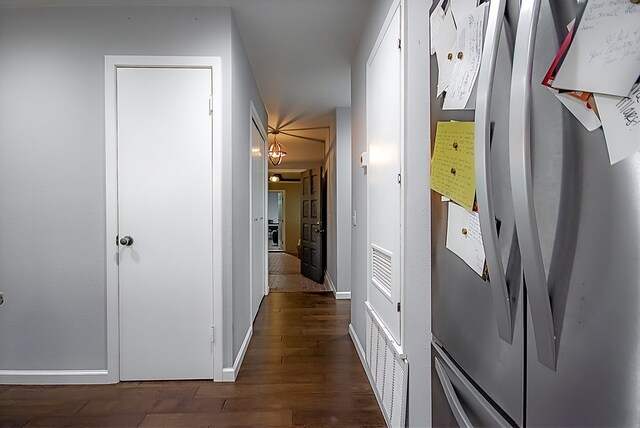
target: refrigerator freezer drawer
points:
(456, 401)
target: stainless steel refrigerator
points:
(552, 338)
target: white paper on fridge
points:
(604, 56)
(443, 42)
(586, 116)
(464, 237)
(435, 20)
(467, 57)
(621, 123)
(461, 8)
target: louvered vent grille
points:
(381, 268)
(388, 370)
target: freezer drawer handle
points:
(484, 191)
(442, 359)
(522, 184)
(452, 397)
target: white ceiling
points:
(300, 50)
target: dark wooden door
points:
(312, 233)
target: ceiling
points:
(300, 51)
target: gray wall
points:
(343, 198)
(417, 258)
(331, 226)
(338, 227)
(244, 89)
(52, 174)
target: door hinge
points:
(210, 105)
(213, 334)
(399, 178)
(399, 43)
(398, 306)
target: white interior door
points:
(165, 205)
(259, 228)
(383, 185)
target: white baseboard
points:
(229, 374)
(365, 365)
(339, 295)
(56, 377)
(359, 349)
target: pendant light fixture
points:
(276, 150)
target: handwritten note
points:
(443, 42)
(461, 8)
(464, 237)
(452, 163)
(467, 56)
(604, 56)
(621, 123)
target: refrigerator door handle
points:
(452, 397)
(522, 184)
(484, 189)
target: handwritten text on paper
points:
(452, 164)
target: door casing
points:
(112, 63)
(396, 7)
(254, 121)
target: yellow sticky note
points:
(452, 163)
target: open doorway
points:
(276, 220)
(285, 223)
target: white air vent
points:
(389, 370)
(381, 269)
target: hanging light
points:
(275, 178)
(276, 150)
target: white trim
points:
(112, 62)
(365, 365)
(254, 120)
(230, 374)
(339, 295)
(361, 353)
(54, 377)
(393, 8)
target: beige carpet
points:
(284, 276)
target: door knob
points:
(127, 241)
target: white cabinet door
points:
(165, 205)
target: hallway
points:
(301, 369)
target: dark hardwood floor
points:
(301, 369)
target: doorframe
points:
(399, 6)
(254, 120)
(112, 63)
(284, 217)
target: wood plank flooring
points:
(301, 369)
